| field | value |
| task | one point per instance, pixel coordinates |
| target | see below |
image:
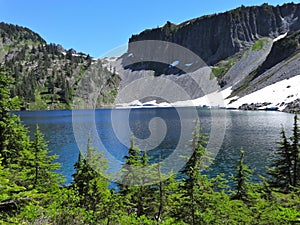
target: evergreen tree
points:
(38, 166)
(285, 167)
(281, 167)
(241, 179)
(295, 153)
(8, 191)
(89, 183)
(13, 135)
(25, 168)
(135, 182)
(194, 183)
(166, 196)
(132, 160)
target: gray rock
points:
(219, 36)
(293, 107)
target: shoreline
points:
(167, 107)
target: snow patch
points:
(189, 64)
(175, 63)
(108, 63)
(278, 94)
(280, 37)
(215, 99)
(138, 104)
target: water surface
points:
(255, 131)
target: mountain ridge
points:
(227, 33)
(246, 49)
(46, 76)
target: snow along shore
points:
(277, 95)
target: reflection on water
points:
(256, 132)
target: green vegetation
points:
(6, 48)
(285, 169)
(31, 193)
(283, 52)
(222, 67)
(46, 75)
(258, 45)
(217, 71)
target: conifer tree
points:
(166, 195)
(37, 165)
(89, 183)
(13, 135)
(281, 167)
(194, 183)
(8, 189)
(241, 179)
(285, 167)
(132, 160)
(26, 169)
(295, 157)
(135, 182)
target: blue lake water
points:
(255, 131)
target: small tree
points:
(43, 163)
(194, 183)
(35, 168)
(8, 189)
(241, 179)
(295, 153)
(13, 135)
(285, 167)
(89, 183)
(281, 167)
(166, 195)
(132, 180)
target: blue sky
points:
(99, 26)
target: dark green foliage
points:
(295, 153)
(241, 179)
(281, 168)
(133, 186)
(285, 167)
(13, 141)
(26, 170)
(12, 133)
(45, 75)
(194, 182)
(89, 184)
(31, 192)
(38, 166)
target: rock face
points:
(247, 49)
(293, 107)
(282, 62)
(257, 106)
(239, 52)
(219, 36)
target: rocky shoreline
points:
(292, 107)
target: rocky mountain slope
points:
(247, 49)
(216, 37)
(46, 76)
(240, 55)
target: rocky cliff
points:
(216, 37)
(241, 54)
(247, 49)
